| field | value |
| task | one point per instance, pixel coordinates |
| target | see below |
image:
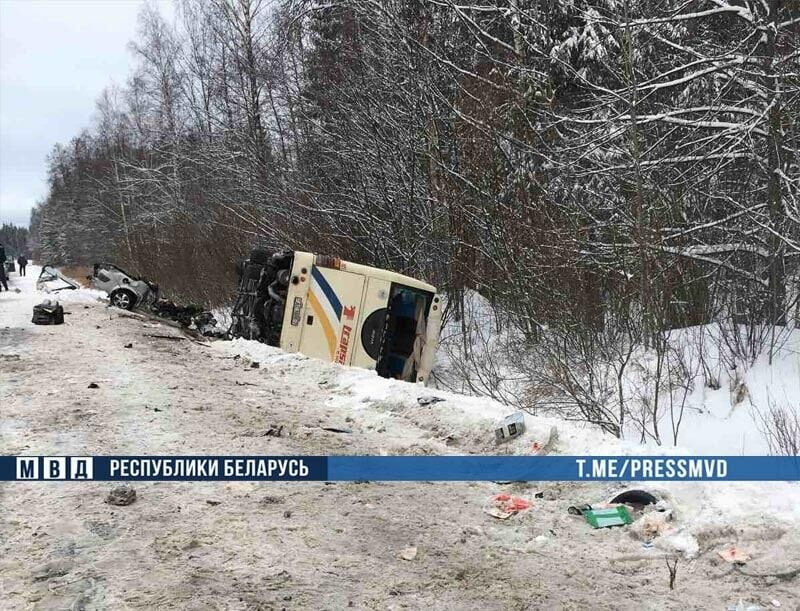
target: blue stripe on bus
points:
(326, 288)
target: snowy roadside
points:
(261, 546)
(467, 422)
(17, 304)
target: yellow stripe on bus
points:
(323, 319)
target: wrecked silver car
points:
(52, 280)
(124, 290)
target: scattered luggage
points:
(48, 313)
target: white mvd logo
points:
(55, 467)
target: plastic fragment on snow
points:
(732, 554)
(606, 518)
(502, 506)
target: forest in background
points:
(14, 239)
(600, 171)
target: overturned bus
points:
(339, 311)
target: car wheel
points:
(123, 299)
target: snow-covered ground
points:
(17, 304)
(469, 420)
(256, 546)
(730, 408)
(719, 414)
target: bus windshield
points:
(404, 333)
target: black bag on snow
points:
(48, 313)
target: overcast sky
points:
(56, 56)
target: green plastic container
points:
(604, 518)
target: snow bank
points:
(257, 352)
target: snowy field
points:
(273, 546)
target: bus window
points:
(406, 324)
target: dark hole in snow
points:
(635, 498)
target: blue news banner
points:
(399, 468)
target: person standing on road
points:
(22, 261)
(3, 267)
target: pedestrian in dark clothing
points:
(3, 267)
(22, 261)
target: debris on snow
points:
(652, 525)
(163, 336)
(336, 429)
(121, 496)
(502, 506)
(606, 518)
(636, 498)
(429, 399)
(274, 431)
(48, 313)
(511, 426)
(731, 554)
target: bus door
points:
(331, 314)
(373, 323)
